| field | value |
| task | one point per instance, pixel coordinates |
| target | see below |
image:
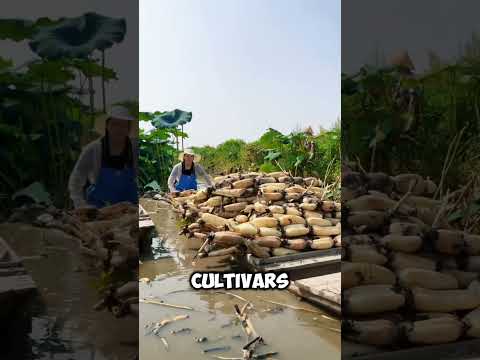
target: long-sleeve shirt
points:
(176, 173)
(87, 169)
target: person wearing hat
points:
(105, 172)
(184, 175)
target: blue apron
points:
(187, 182)
(113, 186)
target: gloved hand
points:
(174, 193)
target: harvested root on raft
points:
(268, 241)
(267, 231)
(371, 219)
(371, 332)
(365, 254)
(233, 250)
(272, 196)
(227, 238)
(355, 274)
(372, 299)
(464, 278)
(434, 331)
(326, 230)
(402, 243)
(214, 220)
(444, 300)
(269, 222)
(296, 244)
(233, 193)
(241, 219)
(472, 322)
(243, 184)
(245, 229)
(319, 222)
(285, 220)
(296, 230)
(322, 243)
(258, 251)
(400, 261)
(410, 278)
(235, 207)
(283, 251)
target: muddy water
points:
(291, 333)
(64, 325)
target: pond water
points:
(64, 324)
(303, 334)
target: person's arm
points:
(172, 178)
(79, 176)
(203, 174)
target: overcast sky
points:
(241, 66)
(417, 26)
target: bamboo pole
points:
(104, 103)
(166, 304)
(182, 138)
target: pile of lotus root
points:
(266, 215)
(408, 277)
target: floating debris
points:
(166, 304)
(221, 337)
(266, 355)
(230, 323)
(179, 331)
(165, 343)
(159, 325)
(215, 349)
(200, 339)
(233, 295)
(274, 310)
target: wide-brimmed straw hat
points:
(402, 58)
(116, 112)
(196, 157)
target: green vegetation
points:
(157, 156)
(301, 153)
(47, 105)
(396, 122)
(158, 151)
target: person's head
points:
(118, 128)
(119, 123)
(188, 159)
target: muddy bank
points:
(64, 324)
(308, 334)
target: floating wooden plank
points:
(324, 291)
(17, 284)
(12, 271)
(301, 265)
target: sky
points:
(417, 26)
(241, 66)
